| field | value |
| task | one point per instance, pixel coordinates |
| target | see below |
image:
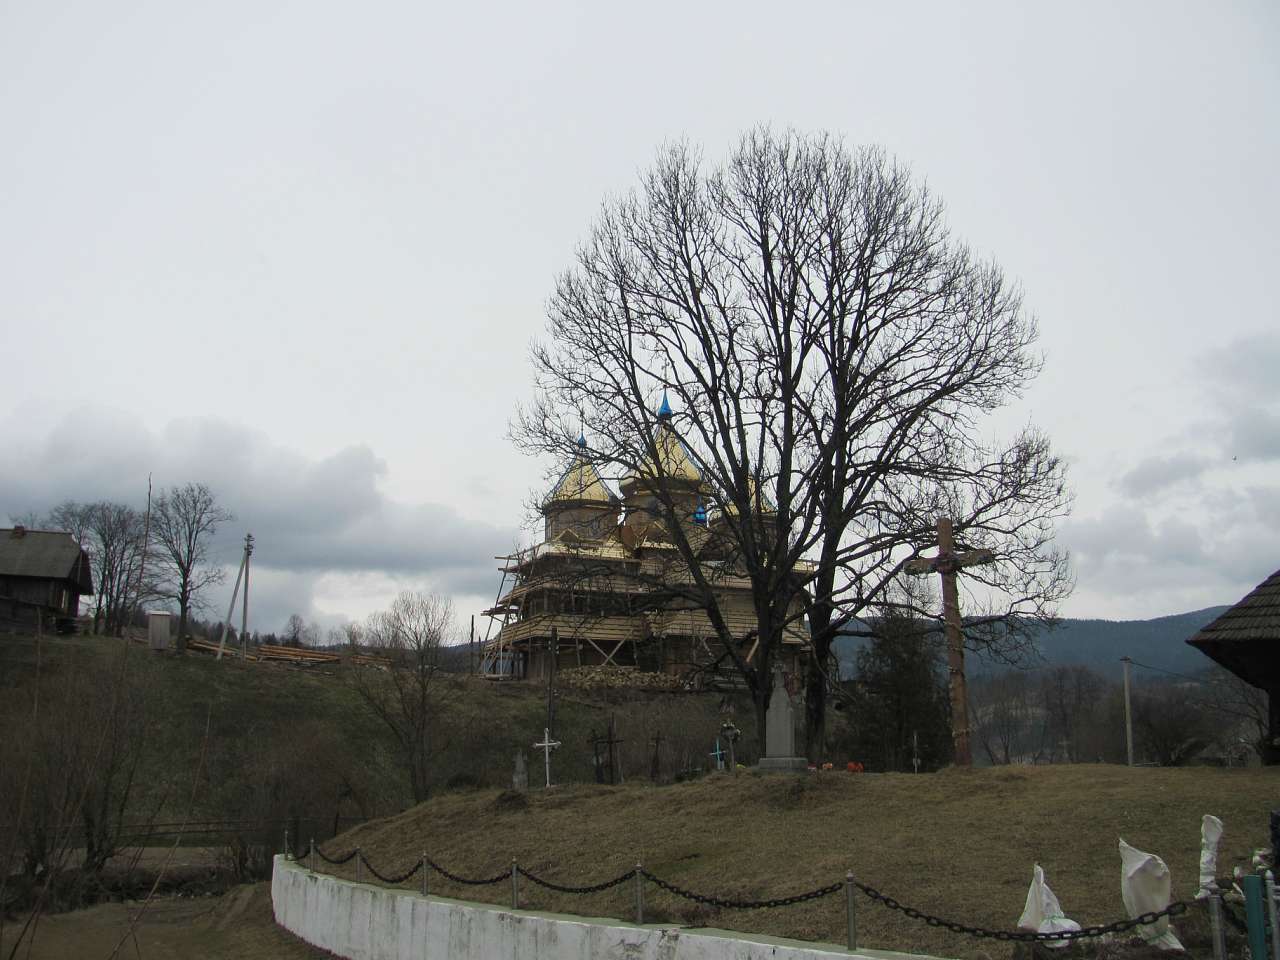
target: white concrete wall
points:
(364, 922)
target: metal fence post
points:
(515, 885)
(1215, 924)
(359, 857)
(851, 919)
(639, 894)
(424, 873)
(312, 849)
(1274, 913)
(288, 855)
(1255, 915)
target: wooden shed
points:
(1246, 641)
(43, 575)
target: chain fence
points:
(638, 875)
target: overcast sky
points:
(298, 251)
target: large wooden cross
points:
(947, 564)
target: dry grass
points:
(959, 844)
(236, 926)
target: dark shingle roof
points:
(1246, 639)
(45, 554)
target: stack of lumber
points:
(268, 651)
(602, 677)
(232, 649)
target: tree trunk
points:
(181, 643)
(815, 684)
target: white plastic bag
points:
(1043, 913)
(1145, 886)
(1210, 834)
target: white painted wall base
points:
(364, 922)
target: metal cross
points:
(718, 753)
(546, 746)
(947, 564)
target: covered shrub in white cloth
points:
(1210, 834)
(1043, 913)
(1145, 886)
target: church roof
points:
(581, 482)
(1246, 638)
(674, 460)
(763, 505)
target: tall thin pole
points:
(231, 608)
(955, 644)
(553, 655)
(244, 610)
(1128, 713)
(471, 647)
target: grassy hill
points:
(959, 844)
(274, 741)
(1160, 642)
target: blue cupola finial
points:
(664, 411)
(582, 440)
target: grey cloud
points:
(1247, 365)
(308, 516)
(1158, 473)
(1254, 435)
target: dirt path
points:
(236, 925)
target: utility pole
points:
(1128, 714)
(235, 593)
(553, 655)
(244, 609)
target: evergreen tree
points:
(900, 691)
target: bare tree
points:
(831, 352)
(295, 630)
(408, 695)
(352, 634)
(116, 536)
(1071, 695)
(184, 521)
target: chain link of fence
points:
(723, 903)
(1016, 936)
(591, 888)
(1023, 936)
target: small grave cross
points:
(655, 765)
(546, 746)
(718, 755)
(731, 734)
(947, 564)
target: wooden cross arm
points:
(969, 558)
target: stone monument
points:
(520, 778)
(780, 730)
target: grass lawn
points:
(235, 926)
(959, 844)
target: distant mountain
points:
(1099, 644)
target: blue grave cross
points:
(718, 753)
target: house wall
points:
(22, 599)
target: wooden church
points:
(610, 581)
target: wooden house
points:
(607, 578)
(43, 575)
(1246, 641)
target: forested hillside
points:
(1100, 644)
